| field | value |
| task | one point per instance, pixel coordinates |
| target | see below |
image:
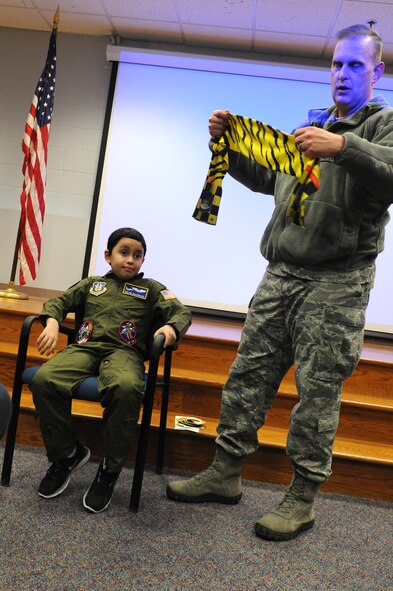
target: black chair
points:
(88, 390)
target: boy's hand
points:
(169, 333)
(47, 341)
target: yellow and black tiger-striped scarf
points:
(267, 146)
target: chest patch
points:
(135, 290)
(98, 288)
(85, 332)
(127, 332)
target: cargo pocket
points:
(341, 343)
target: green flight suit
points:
(111, 343)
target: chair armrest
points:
(25, 333)
(67, 330)
(157, 347)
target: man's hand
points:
(218, 123)
(315, 142)
(47, 341)
(169, 333)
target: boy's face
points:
(126, 258)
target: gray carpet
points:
(54, 545)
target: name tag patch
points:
(127, 332)
(98, 288)
(135, 290)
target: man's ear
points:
(106, 255)
(378, 71)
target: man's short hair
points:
(120, 233)
(363, 31)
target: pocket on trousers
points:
(341, 343)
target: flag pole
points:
(10, 291)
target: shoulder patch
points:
(98, 288)
(135, 290)
(167, 294)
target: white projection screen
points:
(156, 162)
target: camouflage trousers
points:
(318, 327)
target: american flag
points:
(35, 149)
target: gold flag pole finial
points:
(56, 18)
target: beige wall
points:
(82, 83)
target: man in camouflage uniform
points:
(309, 309)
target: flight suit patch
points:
(135, 290)
(167, 294)
(98, 288)
(127, 332)
(85, 332)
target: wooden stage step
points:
(363, 450)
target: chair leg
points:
(143, 438)
(16, 396)
(139, 464)
(11, 437)
(164, 412)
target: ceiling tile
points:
(303, 45)
(218, 37)
(17, 3)
(86, 7)
(142, 9)
(352, 13)
(81, 24)
(22, 18)
(158, 31)
(287, 16)
(235, 14)
(372, 3)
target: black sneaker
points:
(57, 477)
(99, 495)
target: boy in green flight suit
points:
(120, 309)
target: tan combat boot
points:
(293, 515)
(220, 483)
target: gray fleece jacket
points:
(346, 217)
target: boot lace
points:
(291, 499)
(206, 474)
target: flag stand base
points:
(12, 294)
